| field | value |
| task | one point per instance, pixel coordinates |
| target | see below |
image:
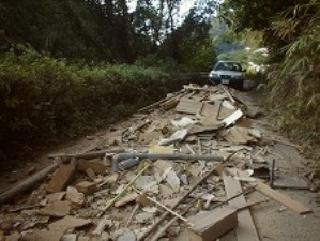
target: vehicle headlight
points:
(238, 77)
(213, 75)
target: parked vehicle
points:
(227, 73)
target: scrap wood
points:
(87, 155)
(161, 231)
(27, 184)
(177, 95)
(189, 106)
(169, 156)
(181, 199)
(62, 177)
(228, 94)
(282, 198)
(135, 209)
(246, 229)
(164, 207)
(231, 119)
(115, 199)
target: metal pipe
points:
(132, 159)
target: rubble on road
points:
(188, 160)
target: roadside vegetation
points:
(290, 30)
(45, 99)
(69, 67)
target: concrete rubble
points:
(161, 197)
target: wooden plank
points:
(27, 184)
(189, 106)
(62, 177)
(282, 198)
(246, 229)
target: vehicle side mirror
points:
(244, 71)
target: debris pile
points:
(181, 171)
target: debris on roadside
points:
(190, 161)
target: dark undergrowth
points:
(45, 100)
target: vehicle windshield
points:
(228, 66)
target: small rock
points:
(86, 187)
(127, 236)
(144, 218)
(69, 237)
(174, 231)
(173, 181)
(75, 197)
(184, 179)
(147, 184)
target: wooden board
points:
(246, 229)
(61, 177)
(282, 198)
(189, 106)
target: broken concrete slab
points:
(210, 225)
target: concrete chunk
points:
(208, 226)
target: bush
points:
(43, 98)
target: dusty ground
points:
(273, 221)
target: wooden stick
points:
(164, 207)
(112, 201)
(88, 155)
(160, 232)
(27, 184)
(165, 214)
(135, 209)
(229, 94)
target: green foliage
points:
(296, 80)
(42, 97)
(291, 32)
